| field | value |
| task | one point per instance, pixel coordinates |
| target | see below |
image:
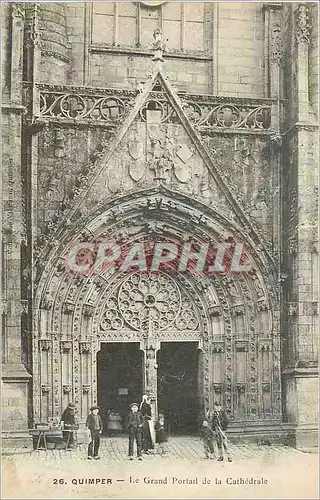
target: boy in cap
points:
(67, 422)
(220, 424)
(135, 423)
(94, 426)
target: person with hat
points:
(94, 427)
(219, 425)
(135, 423)
(68, 422)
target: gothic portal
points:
(134, 121)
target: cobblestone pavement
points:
(283, 472)
(178, 448)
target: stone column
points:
(151, 346)
(301, 367)
(15, 377)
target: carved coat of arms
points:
(137, 165)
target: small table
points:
(70, 431)
(42, 436)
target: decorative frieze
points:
(229, 115)
(109, 106)
(72, 105)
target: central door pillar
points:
(150, 347)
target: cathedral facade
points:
(143, 123)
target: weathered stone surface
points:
(103, 141)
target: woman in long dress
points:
(145, 409)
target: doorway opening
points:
(178, 386)
(120, 382)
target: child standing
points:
(135, 422)
(220, 424)
(94, 427)
(161, 435)
(207, 435)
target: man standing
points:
(135, 422)
(68, 422)
(219, 425)
(94, 426)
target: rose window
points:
(149, 296)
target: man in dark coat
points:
(135, 423)
(94, 426)
(68, 422)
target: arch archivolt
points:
(235, 319)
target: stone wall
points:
(224, 49)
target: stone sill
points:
(96, 49)
(13, 372)
(301, 372)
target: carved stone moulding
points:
(241, 387)
(242, 345)
(24, 306)
(45, 389)
(86, 389)
(238, 309)
(66, 389)
(292, 309)
(68, 308)
(314, 308)
(45, 345)
(266, 386)
(4, 306)
(88, 310)
(262, 305)
(214, 310)
(65, 345)
(302, 24)
(47, 301)
(218, 347)
(218, 388)
(84, 347)
(265, 344)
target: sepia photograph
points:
(159, 250)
